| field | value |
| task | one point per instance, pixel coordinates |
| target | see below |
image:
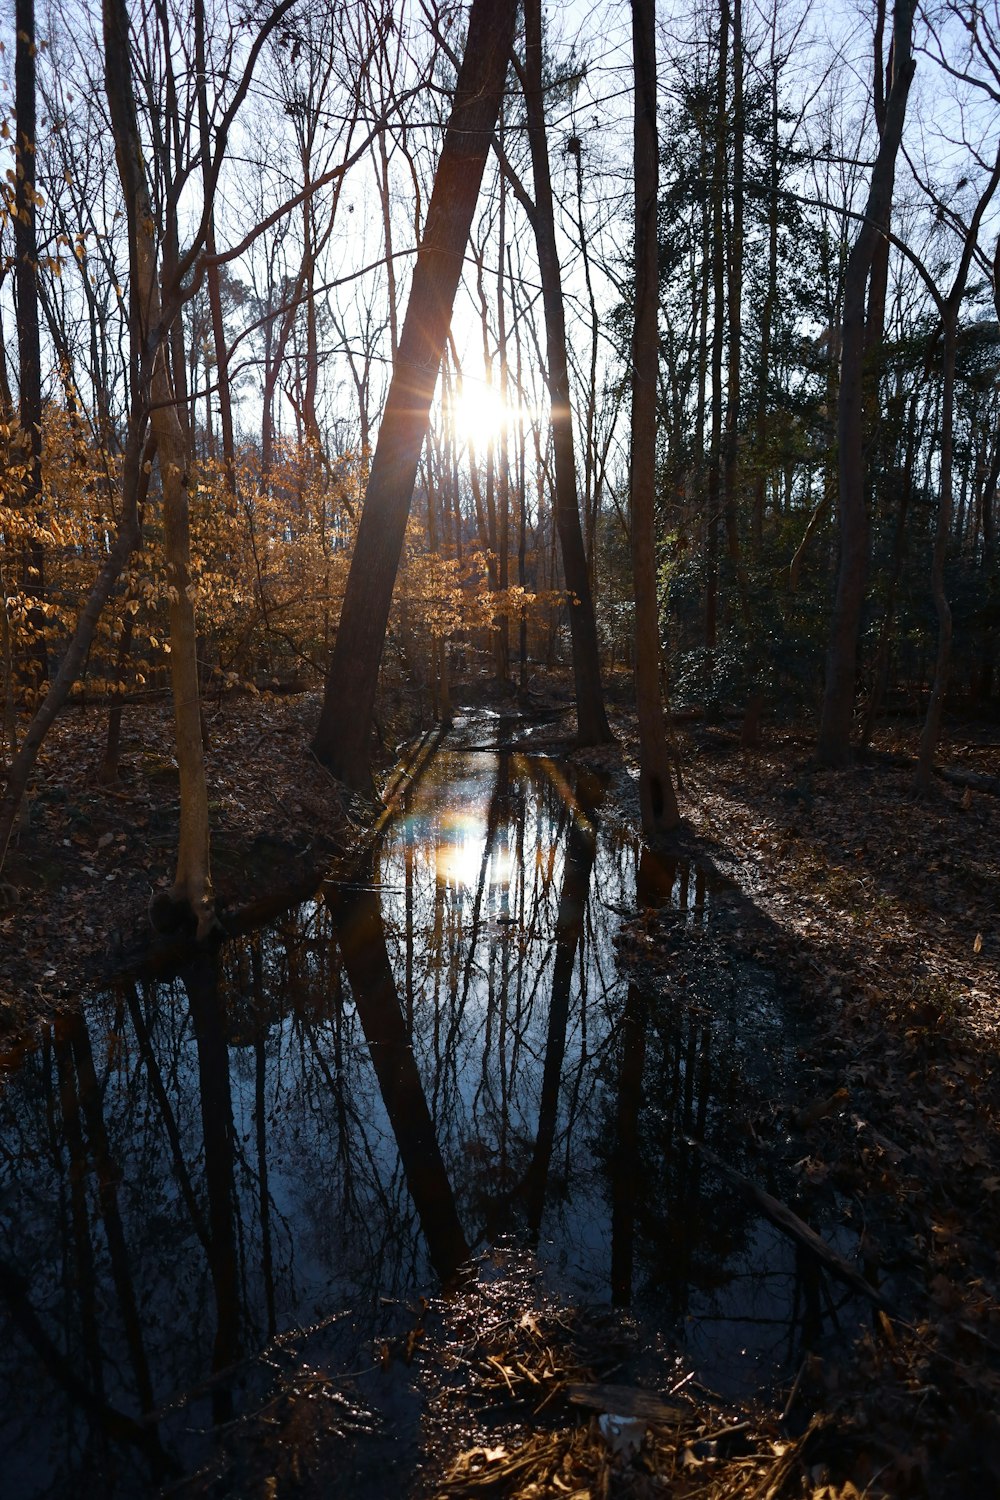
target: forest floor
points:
(882, 911)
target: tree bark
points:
(656, 793)
(834, 742)
(592, 723)
(213, 273)
(342, 739)
(714, 495)
(949, 317)
(880, 674)
(28, 341)
(192, 885)
(761, 424)
(734, 288)
(879, 279)
(503, 451)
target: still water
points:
(330, 1116)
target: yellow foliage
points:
(268, 564)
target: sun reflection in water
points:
(459, 861)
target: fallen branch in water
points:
(782, 1217)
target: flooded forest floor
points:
(872, 913)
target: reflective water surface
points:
(330, 1116)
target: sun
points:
(479, 413)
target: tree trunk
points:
(880, 675)
(932, 722)
(714, 496)
(503, 449)
(879, 279)
(592, 723)
(761, 423)
(343, 738)
(656, 793)
(522, 508)
(730, 476)
(192, 885)
(28, 342)
(834, 742)
(107, 772)
(949, 316)
(591, 488)
(213, 273)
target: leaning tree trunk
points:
(592, 723)
(343, 735)
(192, 887)
(834, 742)
(656, 793)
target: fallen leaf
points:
(623, 1435)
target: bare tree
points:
(592, 722)
(949, 307)
(26, 286)
(656, 793)
(834, 741)
(192, 885)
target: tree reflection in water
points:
(328, 1114)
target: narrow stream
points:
(332, 1115)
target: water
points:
(327, 1118)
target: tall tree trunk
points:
(28, 342)
(714, 496)
(949, 317)
(192, 885)
(274, 358)
(987, 668)
(730, 476)
(503, 448)
(167, 148)
(834, 741)
(591, 488)
(310, 422)
(522, 508)
(879, 279)
(213, 273)
(656, 793)
(932, 721)
(384, 187)
(343, 737)
(761, 423)
(880, 674)
(592, 722)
